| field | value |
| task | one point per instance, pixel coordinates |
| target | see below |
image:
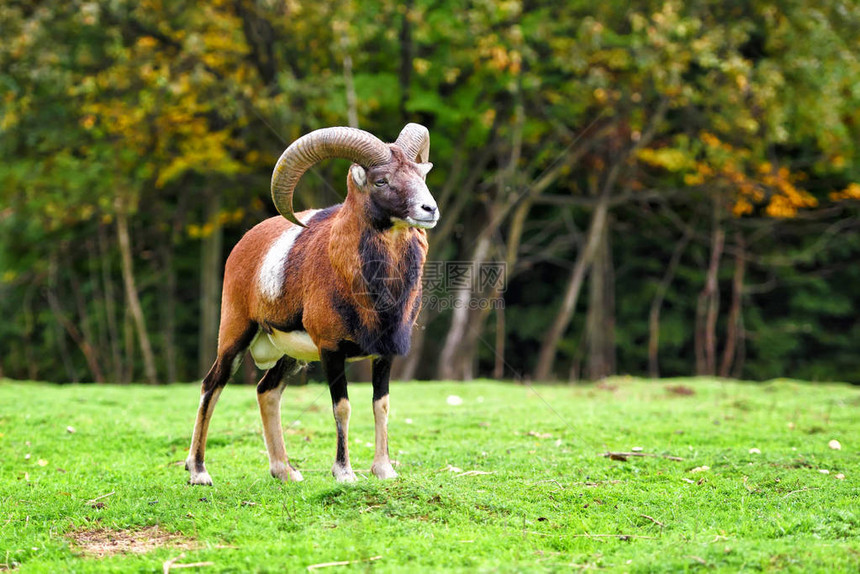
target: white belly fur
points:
(267, 349)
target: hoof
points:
(383, 471)
(201, 478)
(198, 472)
(343, 473)
(287, 473)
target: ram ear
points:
(358, 174)
(424, 168)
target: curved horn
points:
(353, 144)
(414, 140)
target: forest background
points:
(671, 188)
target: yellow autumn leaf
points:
(668, 158)
(742, 207)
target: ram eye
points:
(380, 182)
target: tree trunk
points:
(733, 328)
(29, 330)
(128, 340)
(741, 353)
(453, 364)
(110, 306)
(708, 304)
(549, 346)
(349, 84)
(132, 297)
(63, 349)
(458, 358)
(83, 336)
(406, 56)
(62, 345)
(600, 318)
(546, 358)
(657, 304)
(406, 368)
(102, 340)
(168, 310)
(211, 268)
(499, 367)
(76, 336)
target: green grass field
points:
(548, 501)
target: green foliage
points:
(155, 110)
(548, 500)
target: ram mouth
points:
(422, 223)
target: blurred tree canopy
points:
(673, 187)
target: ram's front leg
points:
(334, 363)
(381, 462)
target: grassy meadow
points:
(493, 477)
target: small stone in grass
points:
(840, 476)
(700, 469)
(755, 451)
(454, 400)
(834, 444)
(823, 471)
(637, 449)
(70, 430)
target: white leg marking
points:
(381, 463)
(342, 470)
(273, 434)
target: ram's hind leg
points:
(269, 392)
(229, 359)
(210, 390)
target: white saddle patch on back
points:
(267, 349)
(271, 279)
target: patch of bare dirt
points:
(106, 542)
(680, 390)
